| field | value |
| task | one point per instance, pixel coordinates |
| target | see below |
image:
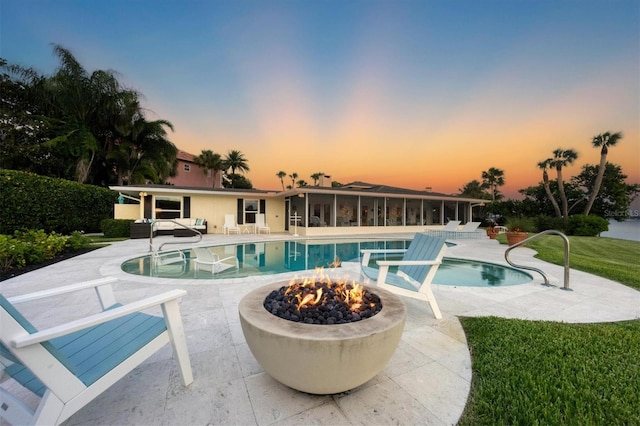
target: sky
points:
(414, 94)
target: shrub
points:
(543, 223)
(115, 228)
(586, 226)
(11, 253)
(77, 241)
(30, 247)
(30, 201)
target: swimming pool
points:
(276, 257)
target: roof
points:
(353, 188)
(185, 156)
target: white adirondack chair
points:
(230, 225)
(71, 364)
(261, 224)
(416, 270)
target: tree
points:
(545, 182)
(492, 179)
(474, 189)
(235, 160)
(562, 158)
(81, 125)
(301, 183)
(316, 177)
(614, 199)
(293, 177)
(603, 141)
(211, 161)
(237, 181)
(281, 175)
(23, 129)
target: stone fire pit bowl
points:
(321, 359)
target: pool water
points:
(276, 257)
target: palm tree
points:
(235, 160)
(210, 160)
(281, 175)
(545, 182)
(473, 189)
(316, 177)
(293, 177)
(604, 140)
(492, 179)
(562, 158)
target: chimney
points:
(325, 181)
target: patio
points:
(427, 381)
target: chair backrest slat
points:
(423, 247)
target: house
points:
(355, 208)
(190, 174)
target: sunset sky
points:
(406, 93)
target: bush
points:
(116, 228)
(543, 223)
(29, 247)
(586, 226)
(30, 201)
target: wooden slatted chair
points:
(71, 364)
(416, 270)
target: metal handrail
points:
(531, 268)
(151, 228)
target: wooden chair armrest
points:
(407, 262)
(61, 290)
(366, 253)
(92, 320)
(376, 251)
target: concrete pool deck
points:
(427, 380)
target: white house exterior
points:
(355, 208)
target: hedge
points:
(31, 201)
(116, 228)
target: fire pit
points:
(323, 358)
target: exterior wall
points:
(212, 207)
(127, 211)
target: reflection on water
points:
(275, 257)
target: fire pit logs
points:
(315, 302)
(321, 358)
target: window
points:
(187, 167)
(251, 208)
(168, 207)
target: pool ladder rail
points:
(152, 227)
(531, 268)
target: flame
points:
(309, 291)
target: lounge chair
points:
(261, 224)
(468, 231)
(69, 365)
(452, 225)
(230, 225)
(415, 271)
(207, 260)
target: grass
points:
(541, 372)
(536, 372)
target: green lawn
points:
(549, 373)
